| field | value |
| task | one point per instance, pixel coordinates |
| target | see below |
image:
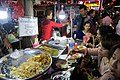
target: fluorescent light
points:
(3, 14)
(62, 16)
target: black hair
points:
(11, 31)
(42, 19)
(48, 12)
(83, 7)
(104, 14)
(110, 40)
(112, 50)
(105, 30)
(91, 11)
(87, 22)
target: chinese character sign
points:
(28, 26)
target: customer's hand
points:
(73, 51)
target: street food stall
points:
(52, 61)
(30, 64)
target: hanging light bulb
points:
(61, 14)
(3, 14)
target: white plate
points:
(63, 56)
(77, 55)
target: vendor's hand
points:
(64, 24)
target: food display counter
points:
(53, 50)
(44, 62)
(30, 63)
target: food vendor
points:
(47, 25)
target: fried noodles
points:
(31, 67)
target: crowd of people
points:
(103, 40)
(105, 45)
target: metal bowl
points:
(7, 62)
(61, 75)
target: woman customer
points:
(106, 43)
(85, 31)
(115, 61)
(114, 71)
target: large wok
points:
(6, 63)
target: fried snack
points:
(31, 67)
(81, 47)
(27, 69)
(74, 56)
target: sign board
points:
(28, 26)
(95, 7)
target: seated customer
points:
(106, 42)
(12, 37)
(115, 61)
(85, 31)
(114, 72)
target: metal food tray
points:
(7, 62)
(59, 48)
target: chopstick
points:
(69, 53)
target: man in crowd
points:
(81, 18)
(91, 13)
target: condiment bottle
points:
(75, 46)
